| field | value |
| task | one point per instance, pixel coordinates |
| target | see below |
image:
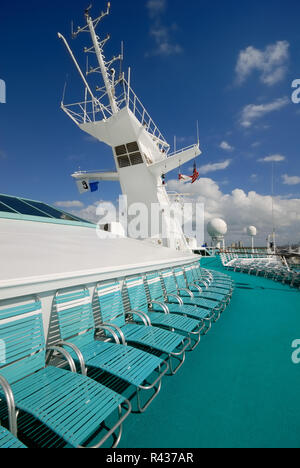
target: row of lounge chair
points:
(272, 269)
(136, 330)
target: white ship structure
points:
(116, 117)
(45, 249)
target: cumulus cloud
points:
(271, 63)
(161, 33)
(253, 112)
(240, 209)
(214, 167)
(291, 180)
(97, 211)
(237, 207)
(156, 7)
(69, 204)
(273, 158)
(226, 146)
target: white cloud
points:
(241, 209)
(96, 211)
(214, 167)
(271, 63)
(164, 44)
(291, 180)
(69, 204)
(238, 208)
(156, 7)
(273, 158)
(256, 144)
(253, 112)
(226, 146)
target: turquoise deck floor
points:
(239, 388)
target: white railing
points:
(182, 150)
(89, 110)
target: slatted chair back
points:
(137, 293)
(111, 302)
(74, 313)
(155, 287)
(180, 278)
(169, 281)
(22, 338)
(189, 272)
(197, 271)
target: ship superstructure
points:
(115, 116)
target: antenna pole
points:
(273, 213)
(198, 137)
(77, 66)
(100, 58)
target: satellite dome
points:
(252, 231)
(217, 227)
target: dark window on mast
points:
(132, 147)
(123, 161)
(120, 150)
(136, 158)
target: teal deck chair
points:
(73, 406)
(79, 334)
(7, 440)
(194, 285)
(173, 290)
(164, 319)
(209, 282)
(159, 301)
(183, 284)
(113, 315)
(211, 275)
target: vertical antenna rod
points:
(100, 58)
(273, 213)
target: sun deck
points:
(239, 388)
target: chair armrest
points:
(142, 315)
(180, 301)
(187, 291)
(11, 407)
(64, 353)
(118, 329)
(162, 305)
(79, 355)
(196, 286)
(107, 328)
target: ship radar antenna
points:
(103, 67)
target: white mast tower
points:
(119, 119)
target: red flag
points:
(195, 174)
(185, 178)
(193, 177)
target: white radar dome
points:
(252, 231)
(217, 227)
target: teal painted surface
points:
(38, 219)
(239, 388)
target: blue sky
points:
(227, 64)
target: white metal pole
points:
(102, 65)
(77, 66)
